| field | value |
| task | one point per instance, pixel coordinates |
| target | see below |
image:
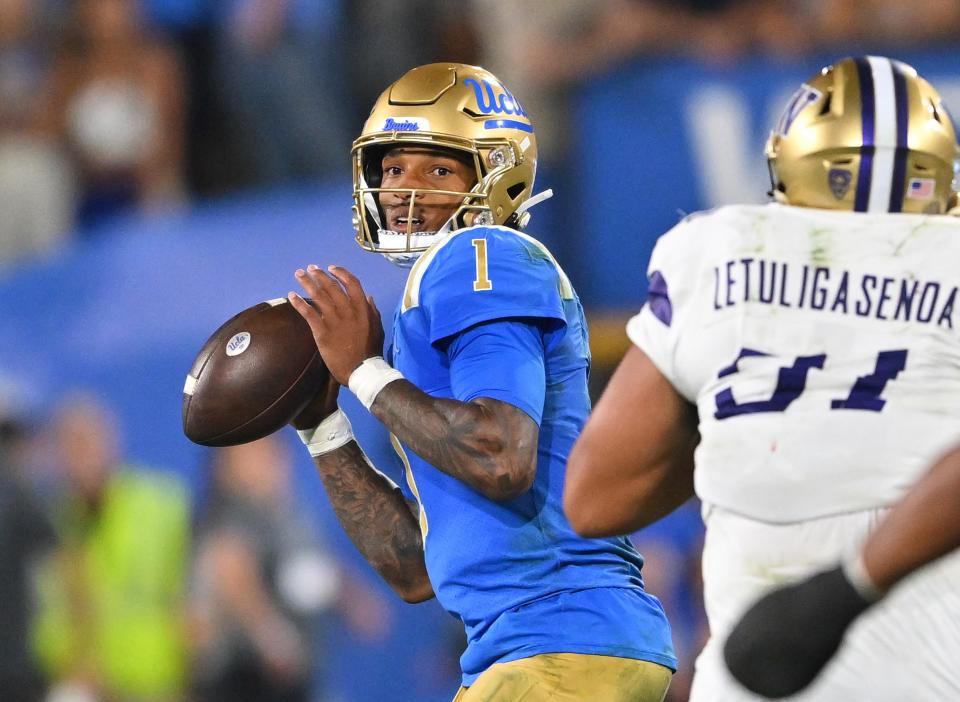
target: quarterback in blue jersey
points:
(484, 390)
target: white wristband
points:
(856, 572)
(370, 377)
(329, 435)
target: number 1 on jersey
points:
(482, 281)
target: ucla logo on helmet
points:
(494, 102)
(804, 95)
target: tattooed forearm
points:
(377, 520)
(489, 445)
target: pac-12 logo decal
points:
(839, 181)
(804, 95)
(238, 343)
(494, 99)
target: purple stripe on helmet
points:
(658, 298)
(868, 119)
(903, 148)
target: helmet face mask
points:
(447, 107)
(868, 135)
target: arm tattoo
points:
(375, 516)
(487, 444)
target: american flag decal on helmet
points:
(921, 188)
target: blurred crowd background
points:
(166, 163)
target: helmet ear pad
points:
(373, 164)
(372, 172)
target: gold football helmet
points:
(866, 134)
(448, 106)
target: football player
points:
(797, 365)
(783, 641)
(484, 390)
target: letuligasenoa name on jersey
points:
(822, 288)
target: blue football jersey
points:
(514, 572)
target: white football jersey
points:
(821, 349)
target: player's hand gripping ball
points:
(252, 376)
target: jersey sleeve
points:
(485, 274)
(503, 360)
(672, 279)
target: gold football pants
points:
(569, 677)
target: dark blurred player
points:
(265, 585)
(26, 537)
(807, 349)
(485, 390)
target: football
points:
(252, 376)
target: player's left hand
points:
(344, 320)
(788, 636)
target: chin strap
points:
(401, 260)
(778, 196)
(535, 200)
(953, 205)
(521, 217)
